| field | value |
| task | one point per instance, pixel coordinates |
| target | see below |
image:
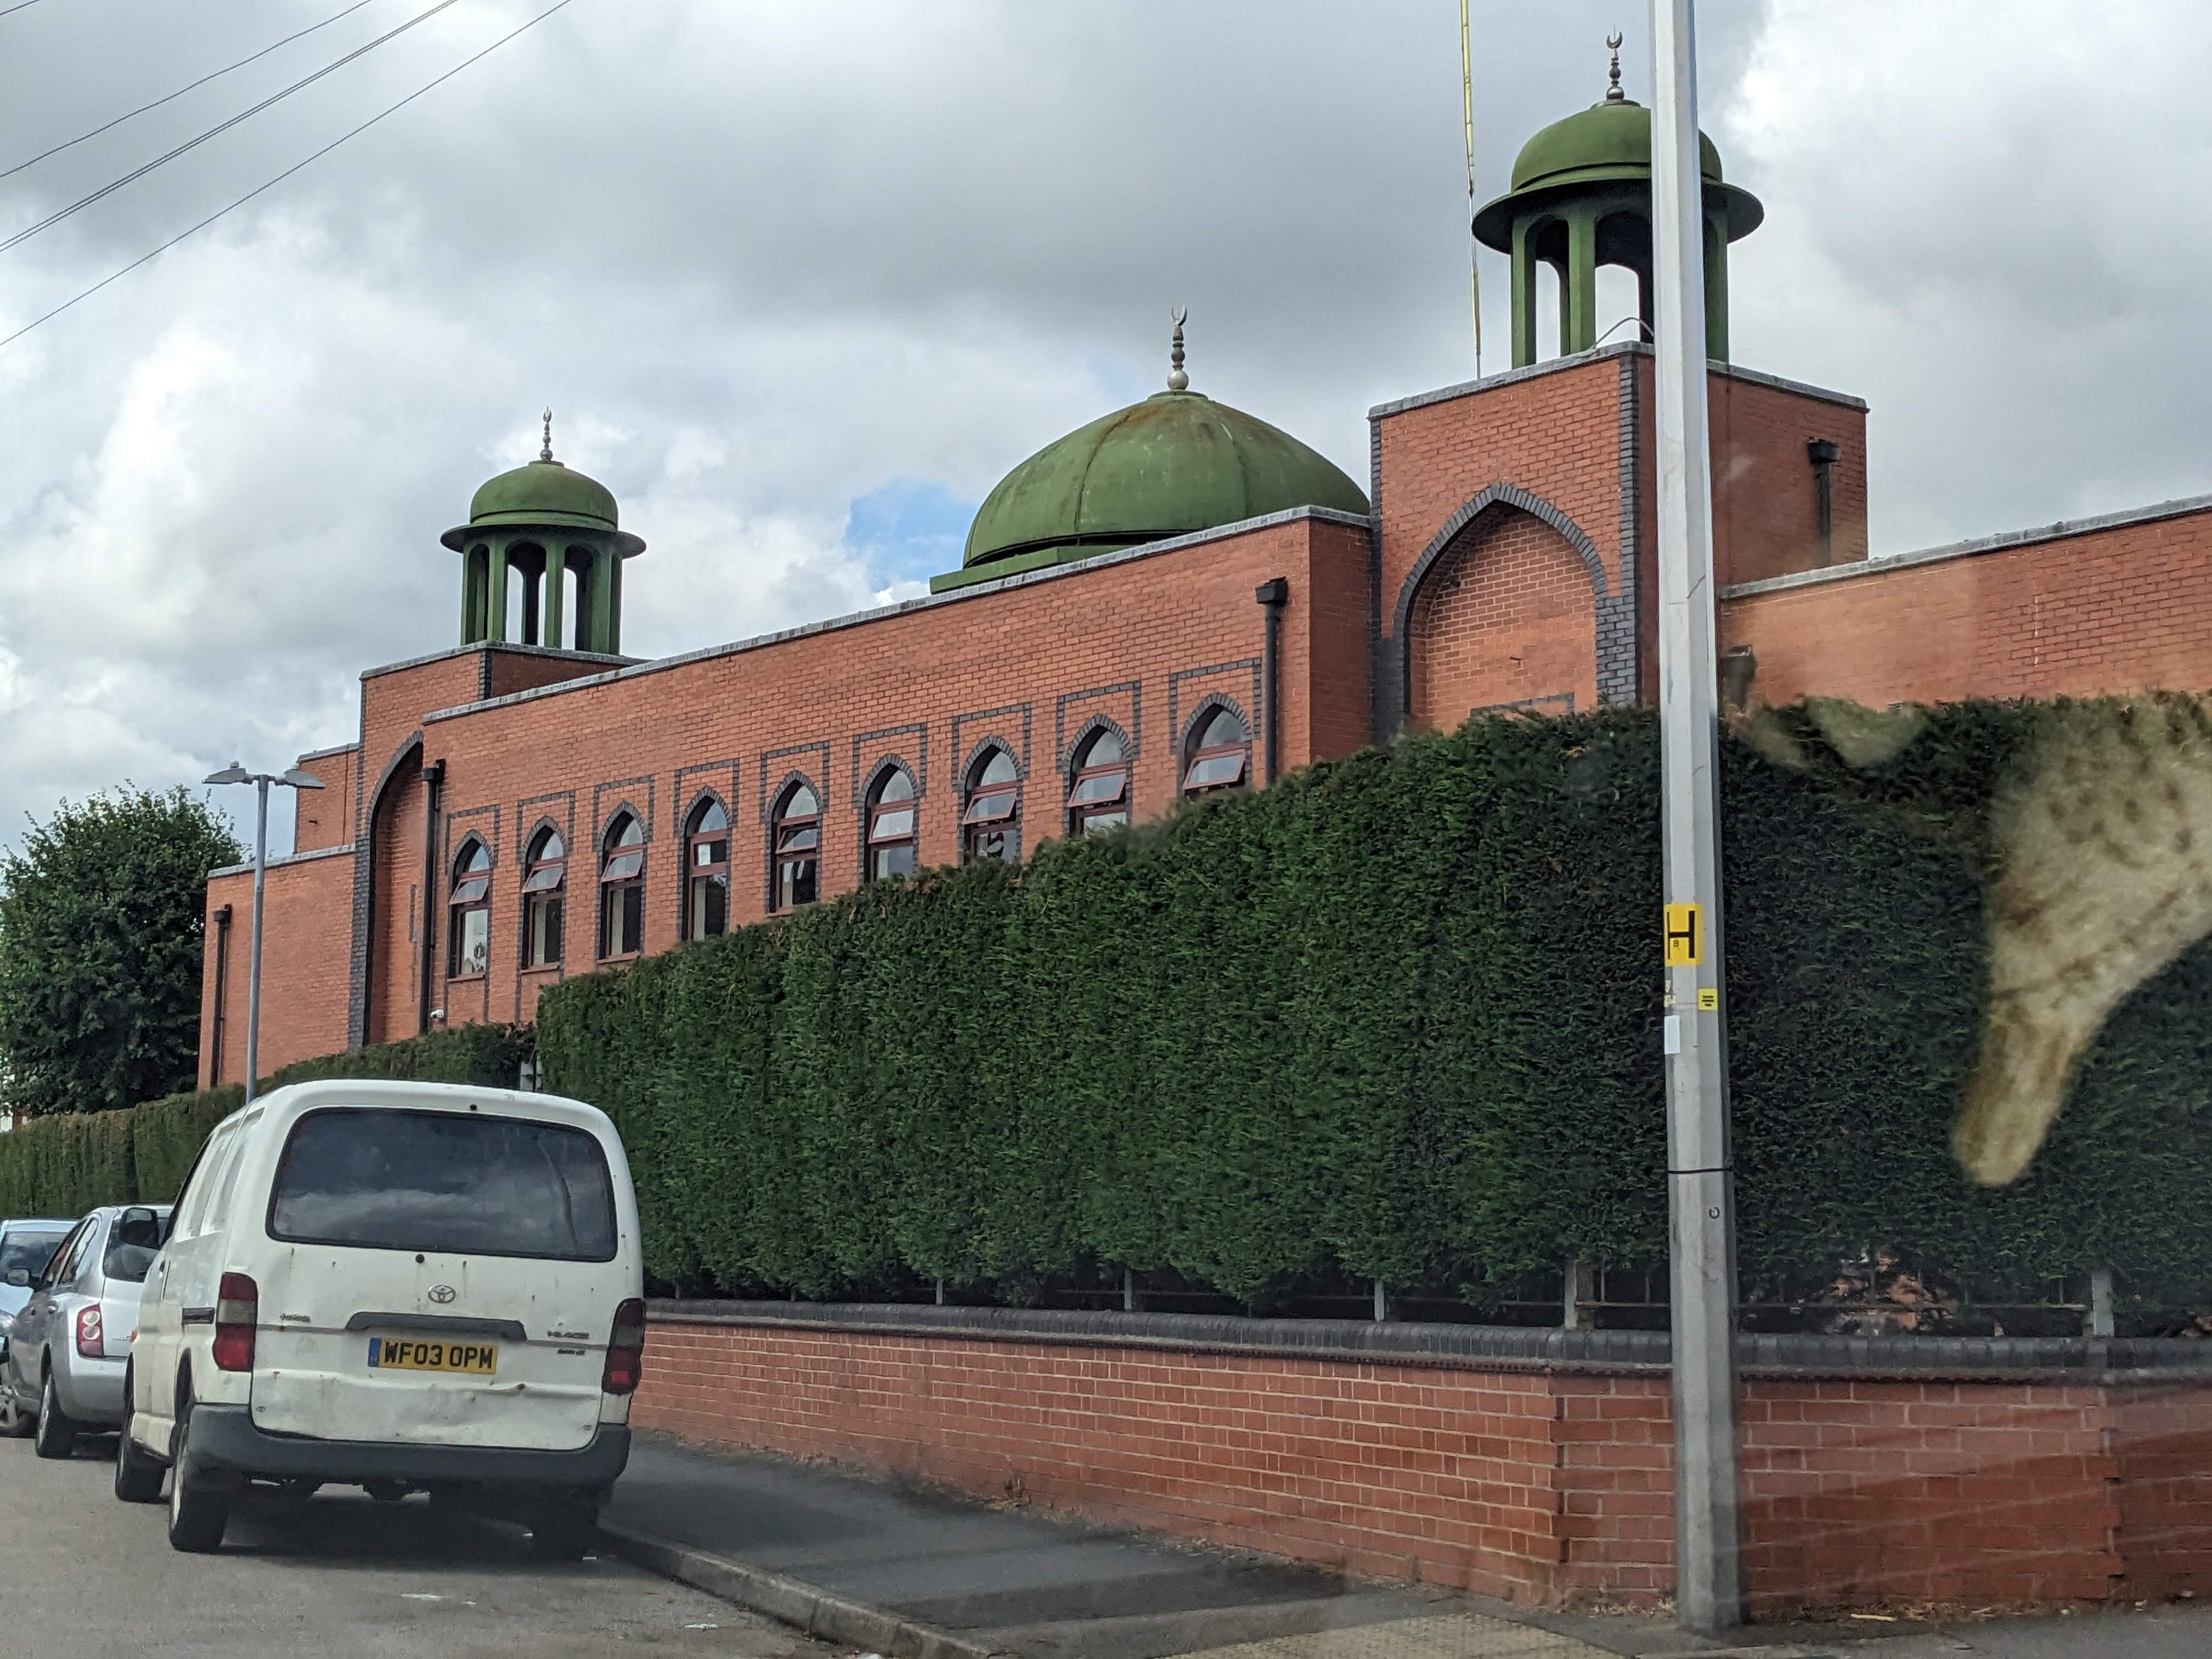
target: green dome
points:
(1175, 463)
(544, 492)
(1609, 142)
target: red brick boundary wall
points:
(1540, 1480)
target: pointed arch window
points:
(706, 871)
(1098, 789)
(891, 816)
(1218, 754)
(469, 930)
(991, 827)
(544, 872)
(795, 877)
(622, 888)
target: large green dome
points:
(544, 492)
(1609, 142)
(1177, 462)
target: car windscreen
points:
(27, 1251)
(468, 1184)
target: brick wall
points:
(1537, 1486)
(1143, 643)
(1505, 617)
(1763, 511)
(304, 983)
(2115, 610)
(323, 818)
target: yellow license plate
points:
(407, 1353)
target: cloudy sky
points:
(802, 281)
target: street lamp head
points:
(233, 772)
(301, 780)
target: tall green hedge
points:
(66, 1165)
(1398, 1015)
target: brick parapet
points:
(1539, 1471)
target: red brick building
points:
(1505, 561)
(1176, 577)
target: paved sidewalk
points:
(965, 1578)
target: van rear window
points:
(468, 1184)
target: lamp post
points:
(1708, 1564)
(295, 779)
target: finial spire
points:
(1177, 380)
(1613, 94)
(546, 453)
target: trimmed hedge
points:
(1396, 1016)
(66, 1165)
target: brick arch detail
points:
(1199, 715)
(453, 862)
(684, 823)
(364, 891)
(888, 763)
(1615, 631)
(982, 747)
(623, 804)
(1083, 733)
(529, 836)
(783, 787)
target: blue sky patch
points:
(910, 530)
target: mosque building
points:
(1176, 599)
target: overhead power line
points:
(20, 5)
(191, 86)
(221, 127)
(271, 184)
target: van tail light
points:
(237, 1306)
(90, 1341)
(625, 1350)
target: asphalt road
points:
(83, 1577)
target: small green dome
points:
(1177, 462)
(544, 492)
(1609, 142)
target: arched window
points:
(707, 872)
(542, 913)
(469, 936)
(891, 824)
(622, 888)
(798, 848)
(990, 828)
(1098, 793)
(1218, 754)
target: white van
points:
(406, 1286)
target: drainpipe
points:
(1824, 452)
(221, 990)
(433, 780)
(1273, 596)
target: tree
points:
(102, 912)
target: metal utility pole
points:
(294, 778)
(1700, 1180)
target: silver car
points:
(69, 1345)
(26, 1247)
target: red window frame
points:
(1212, 754)
(699, 874)
(795, 852)
(544, 879)
(894, 826)
(621, 891)
(470, 896)
(1088, 806)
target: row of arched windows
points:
(1217, 756)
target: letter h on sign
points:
(1685, 936)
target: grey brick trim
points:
(1249, 712)
(364, 879)
(963, 763)
(1098, 723)
(490, 646)
(1133, 735)
(625, 791)
(683, 801)
(1377, 653)
(1620, 665)
(487, 839)
(1583, 360)
(325, 754)
(2005, 542)
(817, 781)
(564, 826)
(860, 618)
(919, 778)
(1610, 610)
(286, 862)
(2112, 1361)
